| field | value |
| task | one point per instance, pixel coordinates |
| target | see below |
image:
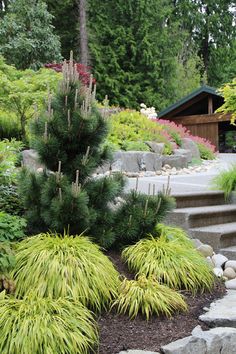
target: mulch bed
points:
(118, 332)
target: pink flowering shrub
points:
(178, 132)
(180, 129)
(203, 141)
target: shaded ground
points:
(120, 333)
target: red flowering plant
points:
(83, 71)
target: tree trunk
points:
(23, 127)
(205, 42)
(83, 33)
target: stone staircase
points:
(206, 216)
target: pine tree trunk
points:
(83, 33)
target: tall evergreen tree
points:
(133, 50)
(212, 30)
(65, 20)
(26, 35)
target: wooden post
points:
(210, 105)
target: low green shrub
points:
(10, 201)
(37, 325)
(147, 296)
(139, 215)
(12, 227)
(60, 266)
(128, 127)
(205, 152)
(226, 181)
(172, 260)
(9, 156)
(9, 126)
(135, 146)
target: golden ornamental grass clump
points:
(57, 266)
(34, 325)
(172, 260)
(147, 296)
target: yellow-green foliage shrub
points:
(147, 296)
(171, 259)
(65, 266)
(131, 126)
(34, 325)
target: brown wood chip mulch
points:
(118, 332)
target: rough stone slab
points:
(187, 345)
(149, 161)
(156, 147)
(183, 152)
(138, 352)
(229, 252)
(189, 144)
(222, 312)
(219, 340)
(126, 161)
(178, 161)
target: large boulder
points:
(183, 152)
(190, 145)
(177, 161)
(125, 161)
(149, 161)
(31, 160)
(158, 148)
(135, 161)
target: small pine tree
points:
(69, 139)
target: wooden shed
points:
(197, 113)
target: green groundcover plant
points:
(44, 325)
(226, 181)
(173, 261)
(147, 296)
(60, 265)
(12, 228)
(10, 200)
(9, 156)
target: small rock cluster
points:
(222, 266)
(167, 170)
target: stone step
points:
(222, 312)
(229, 252)
(198, 199)
(218, 236)
(202, 216)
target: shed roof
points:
(200, 90)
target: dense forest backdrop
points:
(151, 51)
